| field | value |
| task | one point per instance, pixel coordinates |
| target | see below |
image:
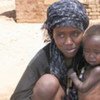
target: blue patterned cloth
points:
(66, 13)
(69, 13)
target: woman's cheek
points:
(59, 43)
(79, 39)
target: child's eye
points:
(97, 52)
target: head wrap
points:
(66, 13)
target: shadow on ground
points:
(9, 14)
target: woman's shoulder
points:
(44, 52)
(41, 56)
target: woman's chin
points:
(69, 55)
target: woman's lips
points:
(70, 50)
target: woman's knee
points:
(47, 85)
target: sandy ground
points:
(19, 42)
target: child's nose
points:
(92, 56)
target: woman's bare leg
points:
(60, 94)
(48, 88)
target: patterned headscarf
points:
(69, 13)
(66, 13)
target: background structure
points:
(35, 10)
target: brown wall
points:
(93, 11)
(35, 10)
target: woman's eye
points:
(61, 35)
(75, 34)
(86, 51)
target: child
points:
(90, 87)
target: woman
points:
(46, 75)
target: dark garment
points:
(38, 66)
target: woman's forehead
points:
(67, 13)
(66, 29)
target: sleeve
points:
(33, 72)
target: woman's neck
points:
(68, 62)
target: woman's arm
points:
(35, 69)
(91, 81)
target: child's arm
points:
(91, 81)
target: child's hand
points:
(71, 72)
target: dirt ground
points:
(19, 42)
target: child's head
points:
(91, 45)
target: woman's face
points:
(68, 40)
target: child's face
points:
(92, 49)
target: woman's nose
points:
(68, 41)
